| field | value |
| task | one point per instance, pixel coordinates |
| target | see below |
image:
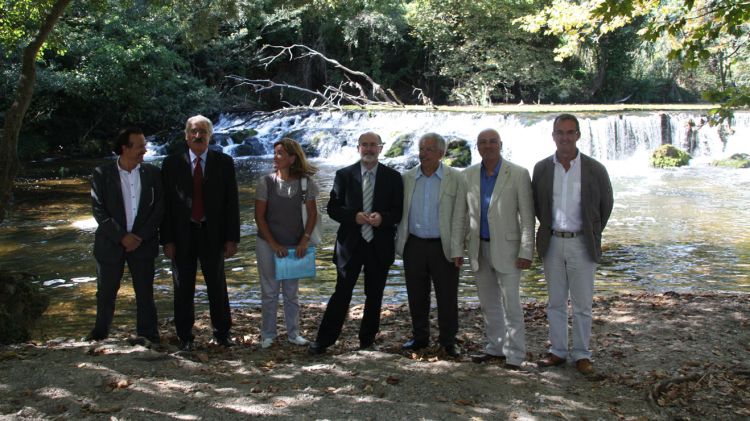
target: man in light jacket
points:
(430, 238)
(501, 244)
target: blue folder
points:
(290, 267)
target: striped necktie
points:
(367, 193)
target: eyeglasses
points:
(370, 145)
(560, 133)
(428, 150)
(198, 131)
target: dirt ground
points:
(657, 357)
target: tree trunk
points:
(14, 116)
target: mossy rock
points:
(21, 305)
(668, 156)
(240, 136)
(458, 154)
(738, 160)
(402, 144)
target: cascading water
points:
(332, 135)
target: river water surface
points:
(685, 229)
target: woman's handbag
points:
(315, 237)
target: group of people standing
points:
(431, 215)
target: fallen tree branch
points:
(377, 91)
(262, 85)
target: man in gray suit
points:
(430, 240)
(127, 204)
(501, 244)
(572, 200)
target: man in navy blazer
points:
(127, 204)
(201, 224)
(352, 251)
(573, 201)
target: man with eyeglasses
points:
(573, 200)
(201, 224)
(366, 201)
(501, 244)
(430, 238)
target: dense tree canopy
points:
(154, 62)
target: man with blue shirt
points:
(501, 244)
(430, 238)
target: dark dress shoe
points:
(452, 350)
(413, 345)
(550, 360)
(95, 336)
(187, 345)
(316, 349)
(486, 358)
(372, 346)
(512, 367)
(225, 342)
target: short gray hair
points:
(440, 140)
(204, 119)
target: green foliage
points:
(738, 160)
(668, 156)
(153, 63)
(476, 47)
(710, 34)
(458, 154)
(19, 21)
(399, 146)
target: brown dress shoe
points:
(550, 360)
(584, 366)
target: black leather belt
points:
(487, 240)
(197, 225)
(563, 234)
(431, 240)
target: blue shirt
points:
(486, 188)
(424, 212)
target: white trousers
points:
(569, 270)
(269, 291)
(500, 299)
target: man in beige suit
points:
(430, 238)
(501, 244)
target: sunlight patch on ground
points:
(54, 392)
(88, 224)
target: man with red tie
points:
(201, 224)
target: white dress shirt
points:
(566, 196)
(130, 182)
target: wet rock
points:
(738, 160)
(21, 304)
(668, 156)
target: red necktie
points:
(197, 214)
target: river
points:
(685, 229)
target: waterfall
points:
(331, 136)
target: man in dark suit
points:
(127, 204)
(572, 200)
(201, 223)
(366, 200)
